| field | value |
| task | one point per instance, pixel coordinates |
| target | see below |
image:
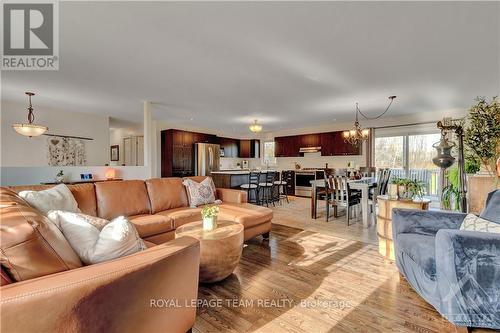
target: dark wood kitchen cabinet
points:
(287, 146)
(331, 143)
(309, 140)
(230, 146)
(249, 149)
(177, 151)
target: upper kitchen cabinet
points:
(249, 148)
(229, 146)
(327, 143)
(287, 146)
(309, 140)
(331, 143)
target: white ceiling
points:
(290, 64)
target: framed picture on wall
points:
(115, 153)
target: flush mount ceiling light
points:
(255, 127)
(356, 135)
(30, 129)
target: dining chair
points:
(340, 195)
(252, 187)
(368, 171)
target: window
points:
(269, 158)
(408, 153)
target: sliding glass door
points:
(409, 155)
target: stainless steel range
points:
(303, 180)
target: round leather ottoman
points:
(220, 249)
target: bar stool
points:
(252, 186)
(267, 188)
(282, 193)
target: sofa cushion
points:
(166, 193)
(117, 198)
(98, 240)
(149, 225)
(55, 198)
(84, 195)
(421, 249)
(201, 193)
(491, 211)
(247, 214)
(182, 215)
(475, 223)
(31, 245)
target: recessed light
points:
(334, 119)
(191, 118)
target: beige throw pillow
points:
(475, 223)
(97, 240)
(202, 193)
(55, 198)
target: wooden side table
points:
(220, 249)
(384, 221)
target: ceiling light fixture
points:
(255, 127)
(30, 129)
(357, 134)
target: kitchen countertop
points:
(246, 172)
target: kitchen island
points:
(230, 179)
(235, 178)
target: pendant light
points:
(30, 129)
(357, 134)
(255, 127)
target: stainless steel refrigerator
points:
(206, 158)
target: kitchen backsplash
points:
(318, 161)
(231, 163)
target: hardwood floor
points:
(313, 276)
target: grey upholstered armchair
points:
(457, 272)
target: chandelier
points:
(30, 129)
(357, 134)
(255, 127)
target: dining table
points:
(363, 184)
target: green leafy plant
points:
(210, 211)
(60, 173)
(451, 193)
(414, 188)
(482, 136)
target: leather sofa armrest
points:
(423, 222)
(231, 196)
(468, 275)
(142, 292)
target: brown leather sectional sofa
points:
(45, 287)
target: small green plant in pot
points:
(209, 215)
(408, 188)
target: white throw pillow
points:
(55, 198)
(202, 193)
(474, 223)
(97, 240)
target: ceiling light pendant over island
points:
(255, 127)
(357, 135)
(30, 129)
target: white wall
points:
(35, 175)
(18, 150)
(24, 160)
(116, 136)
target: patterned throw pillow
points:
(200, 193)
(475, 223)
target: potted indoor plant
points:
(60, 176)
(209, 214)
(482, 135)
(407, 189)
